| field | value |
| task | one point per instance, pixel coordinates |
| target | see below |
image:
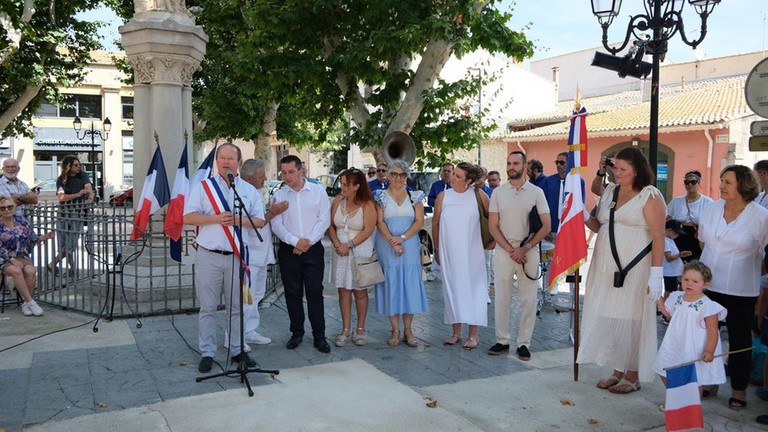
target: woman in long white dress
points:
(619, 326)
(459, 252)
(353, 216)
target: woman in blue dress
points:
(400, 217)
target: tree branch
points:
(19, 104)
(14, 34)
(357, 109)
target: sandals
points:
(360, 339)
(625, 387)
(736, 404)
(609, 382)
(453, 340)
(343, 338)
(471, 343)
(394, 338)
(409, 339)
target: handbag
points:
(485, 231)
(367, 271)
(534, 225)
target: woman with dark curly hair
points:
(734, 232)
(74, 190)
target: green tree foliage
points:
(53, 49)
(298, 68)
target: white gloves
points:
(655, 283)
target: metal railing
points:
(92, 258)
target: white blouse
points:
(734, 251)
(678, 209)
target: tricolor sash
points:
(219, 205)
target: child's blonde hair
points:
(700, 267)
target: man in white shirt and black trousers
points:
(301, 254)
(211, 207)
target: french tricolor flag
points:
(154, 195)
(683, 405)
(174, 218)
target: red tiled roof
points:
(695, 103)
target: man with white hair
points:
(12, 187)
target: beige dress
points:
(348, 225)
(619, 324)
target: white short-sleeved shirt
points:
(513, 206)
(685, 212)
(8, 188)
(734, 252)
(674, 267)
(212, 236)
(762, 199)
(260, 253)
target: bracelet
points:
(600, 175)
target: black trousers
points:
(300, 274)
(741, 314)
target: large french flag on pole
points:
(571, 243)
(154, 195)
(683, 405)
(174, 217)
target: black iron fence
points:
(93, 266)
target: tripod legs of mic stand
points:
(242, 370)
(111, 287)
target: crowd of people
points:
(695, 261)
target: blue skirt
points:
(403, 289)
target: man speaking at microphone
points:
(211, 207)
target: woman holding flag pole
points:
(619, 327)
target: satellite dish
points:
(699, 54)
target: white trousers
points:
(505, 272)
(258, 287)
(217, 274)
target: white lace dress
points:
(348, 225)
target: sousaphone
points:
(398, 145)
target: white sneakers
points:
(31, 308)
(246, 348)
(256, 338)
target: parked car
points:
(326, 179)
(46, 191)
(121, 198)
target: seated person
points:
(17, 241)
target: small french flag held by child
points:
(683, 404)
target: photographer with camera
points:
(619, 327)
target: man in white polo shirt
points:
(11, 186)
(508, 222)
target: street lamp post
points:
(664, 18)
(93, 133)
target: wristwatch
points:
(402, 236)
(529, 246)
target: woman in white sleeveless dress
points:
(619, 326)
(459, 251)
(353, 216)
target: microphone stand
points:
(242, 368)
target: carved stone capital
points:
(164, 68)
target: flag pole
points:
(698, 360)
(575, 313)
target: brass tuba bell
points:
(398, 145)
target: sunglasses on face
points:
(690, 182)
(398, 175)
(559, 162)
(381, 170)
(7, 208)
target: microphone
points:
(230, 176)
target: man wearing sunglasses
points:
(12, 186)
(554, 190)
(380, 182)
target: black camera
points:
(609, 162)
(618, 279)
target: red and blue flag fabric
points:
(154, 195)
(571, 243)
(174, 217)
(683, 405)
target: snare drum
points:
(547, 250)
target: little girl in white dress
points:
(693, 332)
